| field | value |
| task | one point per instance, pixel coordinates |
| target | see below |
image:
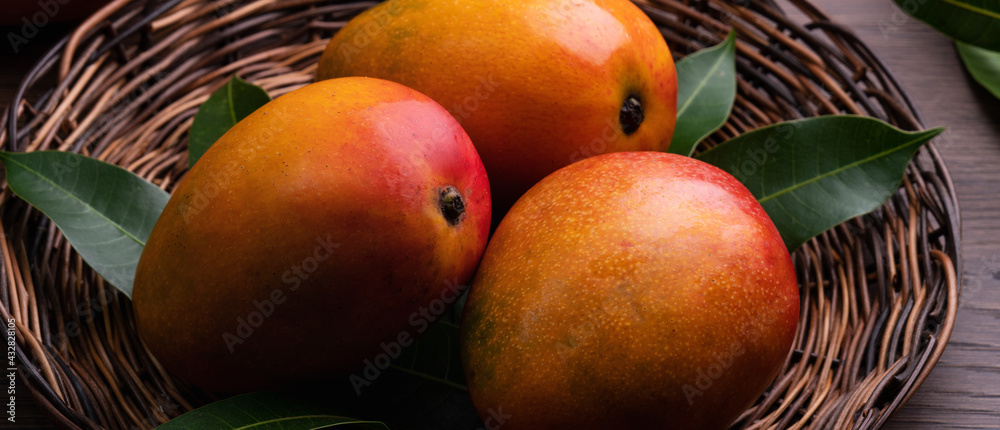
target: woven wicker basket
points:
(879, 293)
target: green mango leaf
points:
(812, 174)
(105, 211)
(706, 91)
(983, 65)
(435, 357)
(975, 22)
(432, 358)
(266, 410)
(423, 387)
(223, 109)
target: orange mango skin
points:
(537, 84)
(344, 172)
(614, 284)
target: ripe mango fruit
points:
(537, 84)
(632, 290)
(308, 234)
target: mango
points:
(632, 290)
(537, 84)
(308, 235)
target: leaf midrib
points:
(841, 169)
(300, 417)
(972, 8)
(422, 375)
(232, 104)
(701, 84)
(55, 185)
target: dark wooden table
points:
(963, 391)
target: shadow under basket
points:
(879, 292)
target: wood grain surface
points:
(963, 391)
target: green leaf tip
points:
(227, 106)
(811, 174)
(706, 92)
(983, 65)
(104, 211)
